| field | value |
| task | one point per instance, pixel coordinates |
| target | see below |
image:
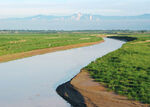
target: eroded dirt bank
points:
(82, 91)
(43, 51)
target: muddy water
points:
(31, 82)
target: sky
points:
(24, 8)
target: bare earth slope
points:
(43, 51)
(82, 91)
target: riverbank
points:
(83, 91)
(6, 58)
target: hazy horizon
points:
(72, 14)
(68, 15)
(25, 8)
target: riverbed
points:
(32, 82)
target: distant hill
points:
(77, 22)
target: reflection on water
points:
(31, 82)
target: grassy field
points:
(126, 70)
(15, 43)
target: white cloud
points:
(65, 7)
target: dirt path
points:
(82, 91)
(141, 42)
(43, 51)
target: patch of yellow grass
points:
(84, 38)
(20, 41)
(141, 42)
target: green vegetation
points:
(74, 31)
(22, 42)
(126, 70)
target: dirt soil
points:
(141, 42)
(6, 58)
(82, 91)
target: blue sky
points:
(22, 8)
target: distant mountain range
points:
(77, 22)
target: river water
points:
(31, 82)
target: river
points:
(32, 82)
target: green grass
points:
(16, 43)
(126, 70)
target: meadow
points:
(126, 71)
(11, 43)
